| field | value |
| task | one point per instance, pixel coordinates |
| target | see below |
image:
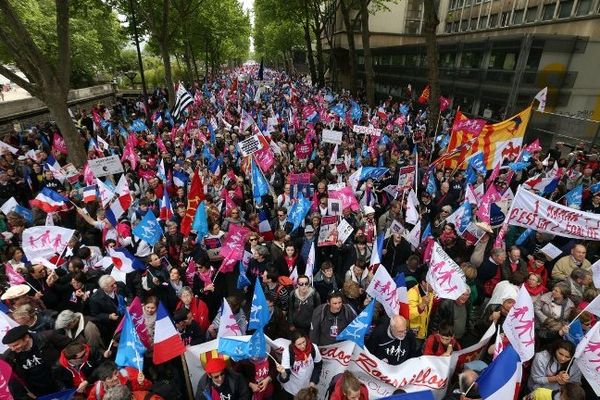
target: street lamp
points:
(131, 75)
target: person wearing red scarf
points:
(536, 265)
(534, 286)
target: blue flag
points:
(523, 236)
(595, 188)
(148, 229)
(243, 280)
(358, 328)
(200, 224)
(355, 111)
(500, 377)
(518, 165)
(138, 126)
(239, 349)
(62, 395)
(575, 333)
(180, 178)
(420, 395)
(299, 211)
(404, 109)
(376, 173)
(130, 352)
(339, 110)
(465, 218)
(24, 212)
(475, 166)
(260, 186)
(259, 311)
(426, 233)
(431, 185)
(574, 197)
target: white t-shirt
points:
(300, 371)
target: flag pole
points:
(575, 319)
(569, 366)
(186, 371)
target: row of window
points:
(518, 17)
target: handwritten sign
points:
(330, 136)
(367, 130)
(532, 211)
(406, 177)
(250, 145)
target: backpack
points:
(285, 282)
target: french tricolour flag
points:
(264, 228)
(167, 341)
(402, 295)
(49, 201)
(500, 380)
(124, 261)
(166, 211)
(543, 185)
(89, 193)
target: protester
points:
(330, 319)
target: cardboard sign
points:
(250, 145)
(367, 130)
(328, 232)
(330, 136)
(344, 230)
(105, 166)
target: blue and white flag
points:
(475, 166)
(500, 379)
(138, 126)
(298, 211)
(240, 349)
(575, 333)
(355, 111)
(260, 186)
(574, 196)
(243, 280)
(259, 311)
(595, 188)
(431, 184)
(375, 173)
(358, 328)
(465, 217)
(130, 352)
(148, 229)
(523, 236)
(200, 224)
(426, 233)
(180, 178)
(339, 109)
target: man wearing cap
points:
(32, 357)
(221, 383)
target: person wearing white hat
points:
(368, 224)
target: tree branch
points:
(31, 88)
(64, 46)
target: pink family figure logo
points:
(445, 277)
(436, 268)
(233, 325)
(527, 325)
(593, 347)
(383, 289)
(45, 240)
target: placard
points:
(336, 186)
(397, 228)
(328, 232)
(551, 251)
(303, 150)
(334, 207)
(367, 130)
(331, 136)
(344, 230)
(105, 166)
(250, 145)
(406, 177)
(300, 183)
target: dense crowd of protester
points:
(65, 319)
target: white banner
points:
(587, 357)
(45, 241)
(367, 130)
(532, 211)
(383, 289)
(331, 136)
(250, 145)
(519, 325)
(444, 275)
(105, 166)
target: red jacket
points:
(127, 376)
(339, 395)
(199, 311)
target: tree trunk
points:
(351, 45)
(166, 59)
(430, 23)
(309, 53)
(369, 73)
(318, 29)
(57, 105)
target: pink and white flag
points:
(233, 244)
(137, 316)
(228, 325)
(14, 278)
(444, 275)
(412, 214)
(519, 326)
(383, 289)
(587, 357)
(490, 196)
(5, 375)
(414, 236)
(6, 324)
(596, 274)
(106, 193)
(45, 241)
(346, 195)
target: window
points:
(564, 9)
(412, 26)
(464, 25)
(471, 59)
(493, 20)
(483, 22)
(533, 61)
(531, 15)
(518, 17)
(473, 24)
(447, 60)
(548, 12)
(448, 27)
(583, 7)
(503, 59)
(505, 19)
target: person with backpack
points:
(301, 364)
(330, 319)
(303, 301)
(278, 287)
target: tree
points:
(46, 40)
(345, 7)
(430, 23)
(366, 37)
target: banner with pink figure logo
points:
(519, 325)
(45, 241)
(587, 357)
(445, 276)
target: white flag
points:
(310, 262)
(596, 274)
(594, 306)
(541, 98)
(587, 357)
(444, 275)
(519, 326)
(383, 289)
(412, 214)
(414, 236)
(49, 219)
(45, 241)
(6, 323)
(470, 195)
(228, 325)
(106, 194)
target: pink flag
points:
(190, 271)
(494, 174)
(88, 175)
(233, 243)
(58, 143)
(519, 325)
(534, 146)
(14, 278)
(228, 264)
(444, 103)
(346, 195)
(137, 316)
(161, 146)
(499, 242)
(264, 158)
(490, 196)
(5, 374)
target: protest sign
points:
(300, 183)
(406, 177)
(105, 166)
(327, 232)
(344, 230)
(334, 207)
(331, 136)
(367, 130)
(532, 211)
(303, 150)
(250, 145)
(336, 186)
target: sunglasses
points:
(302, 283)
(217, 376)
(254, 239)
